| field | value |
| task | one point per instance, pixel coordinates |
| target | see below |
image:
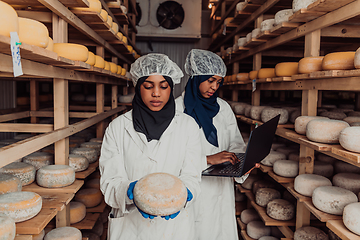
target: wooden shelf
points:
(270, 221)
(56, 200)
(97, 209)
(267, 35)
(280, 179)
(245, 236)
(23, 237)
(298, 196)
(37, 223)
(241, 224)
(338, 227)
(88, 222)
(323, 217)
(254, 42)
(73, 188)
(241, 189)
(84, 174)
(265, 169)
(250, 196)
(35, 3)
(328, 5)
(284, 27)
(304, 15)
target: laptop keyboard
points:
(236, 168)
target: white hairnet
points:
(155, 64)
(203, 62)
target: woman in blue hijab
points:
(220, 139)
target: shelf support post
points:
(34, 98)
(100, 108)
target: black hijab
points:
(152, 123)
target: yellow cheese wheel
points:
(50, 45)
(62, 233)
(8, 19)
(242, 76)
(266, 73)
(286, 69)
(115, 27)
(39, 159)
(123, 72)
(338, 61)
(113, 67)
(129, 48)
(115, 4)
(109, 21)
(119, 68)
(7, 228)
(20, 206)
(160, 194)
(104, 15)
(233, 78)
(91, 197)
(310, 64)
(54, 176)
(9, 183)
(77, 212)
(99, 62)
(124, 39)
(120, 36)
(33, 32)
(106, 66)
(253, 75)
(94, 6)
(25, 172)
(76, 52)
(357, 58)
(91, 59)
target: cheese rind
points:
(310, 64)
(76, 52)
(91, 154)
(282, 16)
(349, 181)
(99, 62)
(25, 172)
(91, 59)
(39, 159)
(357, 58)
(309, 233)
(280, 209)
(257, 229)
(286, 168)
(8, 19)
(272, 157)
(266, 73)
(91, 197)
(94, 6)
(7, 226)
(269, 113)
(61, 233)
(33, 32)
(77, 212)
(325, 130)
(338, 61)
(113, 67)
(50, 45)
(300, 4)
(265, 195)
(55, 176)
(78, 162)
(286, 69)
(249, 215)
(305, 184)
(255, 112)
(349, 139)
(267, 25)
(351, 217)
(242, 76)
(302, 121)
(9, 183)
(253, 74)
(241, 41)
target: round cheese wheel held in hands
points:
(325, 130)
(160, 194)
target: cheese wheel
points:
(255, 33)
(94, 6)
(280, 209)
(8, 19)
(91, 197)
(99, 62)
(160, 194)
(39, 159)
(90, 153)
(253, 74)
(261, 184)
(54, 176)
(113, 67)
(341, 166)
(118, 69)
(332, 200)
(24, 171)
(286, 69)
(272, 157)
(9, 183)
(39, 236)
(351, 217)
(20, 206)
(7, 225)
(349, 181)
(123, 72)
(257, 229)
(93, 145)
(241, 41)
(352, 119)
(268, 238)
(302, 121)
(33, 32)
(240, 6)
(109, 21)
(305, 184)
(323, 169)
(333, 115)
(300, 4)
(240, 108)
(325, 130)
(357, 58)
(242, 76)
(247, 110)
(115, 27)
(50, 45)
(248, 37)
(114, 4)
(93, 183)
(286, 168)
(104, 15)
(266, 73)
(255, 112)
(78, 162)
(355, 124)
(90, 235)
(269, 113)
(349, 139)
(267, 25)
(120, 36)
(124, 39)
(265, 195)
(294, 156)
(76, 52)
(282, 16)
(77, 212)
(338, 61)
(249, 215)
(309, 233)
(310, 64)
(61, 233)
(91, 59)
(250, 181)
(106, 65)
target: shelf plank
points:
(327, 5)
(282, 79)
(73, 188)
(280, 179)
(23, 237)
(335, 73)
(300, 76)
(97, 209)
(304, 15)
(254, 42)
(56, 200)
(341, 152)
(250, 196)
(240, 16)
(37, 223)
(263, 80)
(84, 174)
(241, 224)
(298, 196)
(270, 221)
(92, 19)
(284, 27)
(338, 227)
(88, 222)
(323, 217)
(264, 168)
(245, 236)
(267, 35)
(241, 189)
(67, 3)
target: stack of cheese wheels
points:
(249, 215)
(20, 206)
(269, 113)
(266, 73)
(282, 16)
(338, 61)
(323, 169)
(8, 19)
(39, 236)
(9, 183)
(54, 176)
(93, 145)
(253, 74)
(99, 62)
(76, 52)
(300, 4)
(242, 76)
(160, 194)
(69, 233)
(257, 229)
(332, 200)
(261, 184)
(305, 184)
(272, 157)
(280, 209)
(349, 139)
(333, 115)
(91, 59)
(310, 64)
(90, 197)
(286, 168)
(50, 45)
(264, 195)
(255, 112)
(90, 153)
(113, 67)
(349, 181)
(33, 32)
(309, 233)
(325, 130)
(39, 159)
(77, 212)
(302, 121)
(25, 172)
(7, 227)
(78, 162)
(351, 217)
(250, 181)
(286, 69)
(267, 25)
(343, 167)
(94, 6)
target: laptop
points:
(259, 146)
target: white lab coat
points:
(127, 156)
(215, 209)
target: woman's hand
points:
(222, 157)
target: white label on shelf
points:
(253, 85)
(15, 53)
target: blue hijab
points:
(203, 110)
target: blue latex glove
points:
(190, 196)
(174, 215)
(131, 197)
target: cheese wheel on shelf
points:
(20, 206)
(282, 16)
(120, 36)
(269, 113)
(333, 115)
(310, 64)
(309, 233)
(286, 69)
(266, 73)
(93, 145)
(250, 181)
(350, 138)
(286, 168)
(160, 194)
(257, 229)
(267, 25)
(124, 39)
(77, 212)
(280, 209)
(118, 69)
(332, 200)
(55, 176)
(106, 65)
(90, 197)
(7, 226)
(94, 6)
(24, 171)
(351, 217)
(61, 233)
(240, 6)
(50, 45)
(338, 61)
(8, 19)
(33, 32)
(357, 58)
(9, 183)
(76, 52)
(123, 9)
(113, 67)
(90, 153)
(255, 112)
(99, 62)
(115, 27)
(39, 236)
(255, 33)
(300, 4)
(91, 59)
(240, 108)
(78, 162)
(39, 159)
(123, 72)
(261, 184)
(305, 184)
(104, 15)
(242, 76)
(325, 130)
(302, 121)
(253, 74)
(249, 215)
(241, 42)
(349, 181)
(352, 119)
(264, 195)
(272, 157)
(109, 21)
